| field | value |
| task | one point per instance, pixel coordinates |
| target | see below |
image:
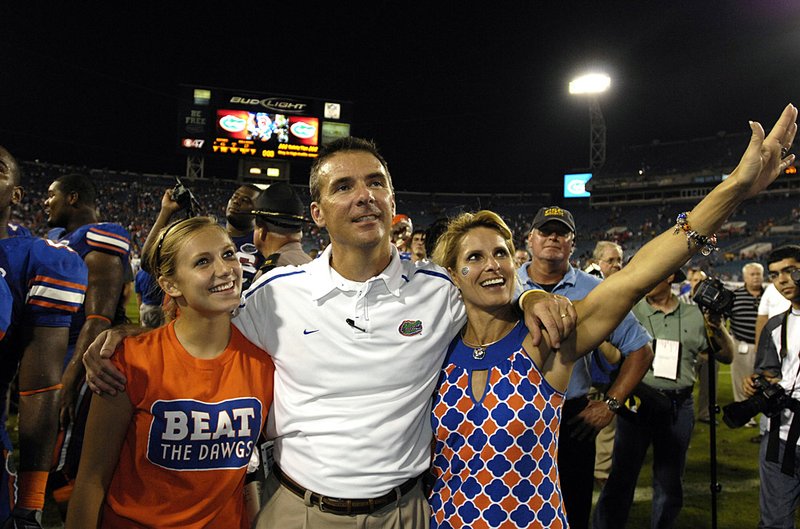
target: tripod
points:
(713, 410)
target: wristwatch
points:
(613, 404)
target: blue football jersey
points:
(249, 257)
(17, 230)
(47, 281)
(105, 237)
(6, 302)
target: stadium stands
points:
(636, 196)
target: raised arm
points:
(168, 208)
(606, 305)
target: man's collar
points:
(568, 278)
(325, 279)
(649, 309)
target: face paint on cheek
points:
(465, 271)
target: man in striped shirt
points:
(743, 325)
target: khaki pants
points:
(286, 510)
(744, 360)
(604, 448)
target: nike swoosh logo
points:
(306, 331)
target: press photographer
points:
(774, 390)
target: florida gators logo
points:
(410, 327)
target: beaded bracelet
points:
(707, 244)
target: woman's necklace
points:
(479, 351)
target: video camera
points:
(712, 296)
(769, 399)
(184, 197)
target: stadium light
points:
(593, 83)
(591, 86)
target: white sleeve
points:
(253, 315)
(763, 305)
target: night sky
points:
(460, 96)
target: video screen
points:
(250, 124)
(264, 127)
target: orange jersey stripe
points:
(53, 281)
(115, 249)
(52, 305)
(109, 234)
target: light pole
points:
(592, 85)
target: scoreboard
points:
(242, 123)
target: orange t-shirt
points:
(194, 426)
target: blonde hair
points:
(161, 257)
(446, 252)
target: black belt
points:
(678, 394)
(342, 505)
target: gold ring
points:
(563, 315)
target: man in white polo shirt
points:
(358, 337)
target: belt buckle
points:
(334, 509)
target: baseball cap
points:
(553, 213)
(280, 205)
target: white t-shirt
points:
(352, 399)
(772, 302)
(790, 366)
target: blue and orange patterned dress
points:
(495, 459)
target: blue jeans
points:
(779, 493)
(669, 432)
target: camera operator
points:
(665, 416)
(778, 360)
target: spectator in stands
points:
(608, 255)
(105, 248)
(402, 228)
(418, 252)
(550, 241)
(45, 288)
(150, 298)
(743, 326)
(521, 256)
(665, 417)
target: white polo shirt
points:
(352, 402)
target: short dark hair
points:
(78, 183)
(348, 143)
(788, 251)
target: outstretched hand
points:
(767, 155)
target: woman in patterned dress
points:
(497, 406)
